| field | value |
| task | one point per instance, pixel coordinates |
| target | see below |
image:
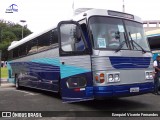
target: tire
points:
(159, 86)
(17, 83)
(159, 90)
(59, 89)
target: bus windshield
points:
(109, 33)
(136, 32)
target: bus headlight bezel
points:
(113, 77)
(149, 75)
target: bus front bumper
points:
(101, 92)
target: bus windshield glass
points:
(107, 33)
(136, 32)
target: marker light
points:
(101, 77)
(96, 78)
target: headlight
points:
(148, 75)
(110, 78)
(151, 75)
(114, 77)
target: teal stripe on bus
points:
(73, 70)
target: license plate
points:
(135, 89)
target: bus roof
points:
(28, 38)
(104, 12)
(86, 14)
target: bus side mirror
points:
(77, 34)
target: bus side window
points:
(44, 41)
(15, 52)
(86, 35)
(22, 50)
(54, 38)
(10, 56)
(79, 46)
(32, 46)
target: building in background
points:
(151, 25)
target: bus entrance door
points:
(76, 76)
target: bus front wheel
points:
(59, 89)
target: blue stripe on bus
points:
(130, 62)
(64, 68)
(49, 65)
(120, 90)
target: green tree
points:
(9, 32)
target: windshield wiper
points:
(120, 46)
(144, 51)
(122, 43)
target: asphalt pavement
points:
(36, 100)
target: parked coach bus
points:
(98, 54)
(154, 42)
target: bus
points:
(98, 54)
(154, 42)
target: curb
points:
(3, 85)
(3, 80)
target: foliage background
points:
(10, 32)
(4, 72)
